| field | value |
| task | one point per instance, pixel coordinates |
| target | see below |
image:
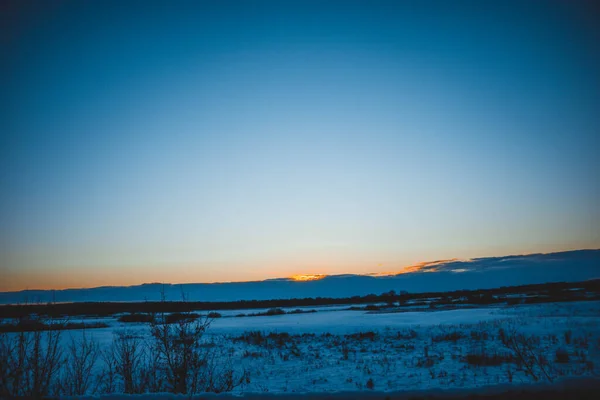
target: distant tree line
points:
(560, 291)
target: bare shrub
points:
(125, 364)
(81, 358)
(528, 354)
(177, 349)
(180, 357)
(107, 380)
(31, 361)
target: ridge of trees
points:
(560, 291)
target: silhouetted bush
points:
(30, 362)
(178, 317)
(488, 360)
(300, 311)
(275, 311)
(214, 314)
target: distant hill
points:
(479, 273)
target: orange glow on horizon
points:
(314, 277)
(60, 278)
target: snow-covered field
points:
(335, 349)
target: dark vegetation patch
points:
(136, 317)
(562, 356)
(275, 311)
(180, 317)
(453, 336)
(300, 311)
(36, 326)
(268, 313)
(480, 335)
(362, 336)
(483, 359)
(273, 339)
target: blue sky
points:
(238, 140)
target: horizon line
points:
(409, 269)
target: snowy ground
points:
(340, 350)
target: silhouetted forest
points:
(525, 294)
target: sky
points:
(242, 140)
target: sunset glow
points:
(308, 277)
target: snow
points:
(343, 322)
(326, 353)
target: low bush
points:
(362, 336)
(251, 337)
(300, 311)
(214, 314)
(269, 312)
(488, 360)
(448, 337)
(179, 317)
(280, 339)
